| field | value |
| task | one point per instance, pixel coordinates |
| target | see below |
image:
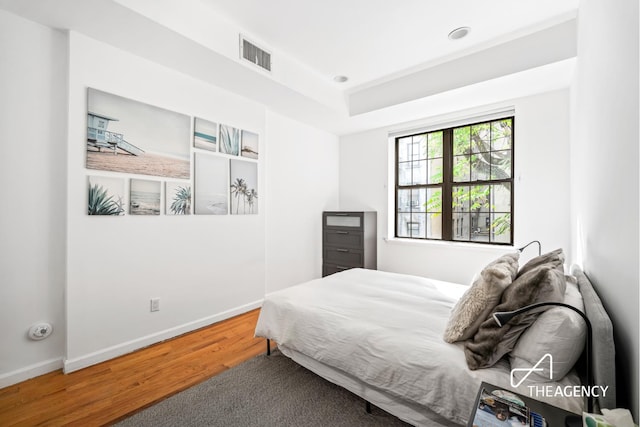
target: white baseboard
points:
(31, 371)
(77, 363)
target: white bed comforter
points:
(385, 329)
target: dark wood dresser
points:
(348, 241)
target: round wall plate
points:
(40, 331)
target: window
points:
(456, 184)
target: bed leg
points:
(368, 407)
(268, 347)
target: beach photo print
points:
(144, 198)
(211, 185)
(205, 134)
(128, 136)
(249, 145)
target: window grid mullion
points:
(447, 179)
(448, 184)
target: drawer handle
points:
(342, 232)
(340, 214)
(339, 267)
(342, 250)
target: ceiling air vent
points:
(254, 54)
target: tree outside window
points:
(456, 184)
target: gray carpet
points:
(264, 391)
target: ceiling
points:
(400, 64)
(373, 40)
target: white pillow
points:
(558, 331)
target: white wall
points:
(302, 180)
(541, 167)
(32, 194)
(203, 268)
(605, 172)
(100, 272)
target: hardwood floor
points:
(105, 393)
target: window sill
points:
(496, 249)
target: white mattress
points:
(385, 330)
(410, 412)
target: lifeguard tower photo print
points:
(128, 136)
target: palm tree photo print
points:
(244, 187)
(177, 198)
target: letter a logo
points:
(535, 368)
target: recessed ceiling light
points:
(340, 79)
(459, 33)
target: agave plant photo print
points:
(177, 198)
(230, 140)
(244, 187)
(106, 196)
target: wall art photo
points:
(230, 139)
(211, 185)
(249, 145)
(106, 195)
(205, 134)
(244, 187)
(177, 198)
(128, 136)
(144, 198)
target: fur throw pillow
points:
(491, 342)
(480, 299)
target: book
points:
(501, 408)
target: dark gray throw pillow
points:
(491, 342)
(554, 259)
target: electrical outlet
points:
(155, 304)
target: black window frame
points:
(448, 183)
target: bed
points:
(380, 336)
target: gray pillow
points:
(559, 332)
(480, 299)
(553, 258)
(492, 342)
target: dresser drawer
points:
(328, 269)
(343, 238)
(343, 220)
(344, 256)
